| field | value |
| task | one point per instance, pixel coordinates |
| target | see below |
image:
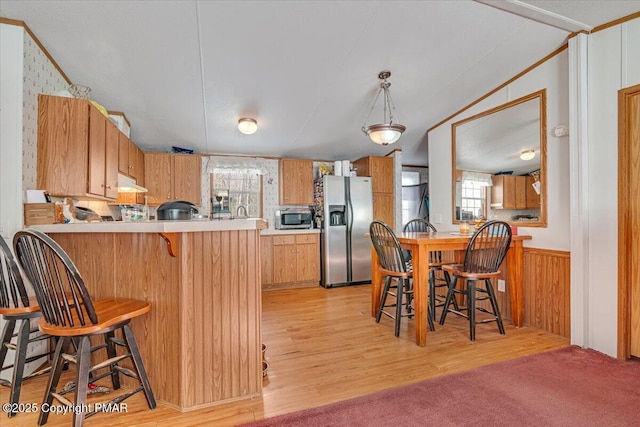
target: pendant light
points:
(387, 132)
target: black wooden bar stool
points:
(70, 314)
(485, 252)
(436, 281)
(398, 275)
(17, 308)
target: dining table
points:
(420, 244)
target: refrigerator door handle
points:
(349, 223)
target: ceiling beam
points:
(537, 14)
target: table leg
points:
(420, 262)
(515, 268)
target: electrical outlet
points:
(438, 218)
(501, 285)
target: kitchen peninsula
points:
(201, 342)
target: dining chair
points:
(70, 314)
(436, 281)
(485, 252)
(397, 273)
(17, 308)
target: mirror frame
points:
(541, 95)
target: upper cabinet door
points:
(97, 147)
(133, 160)
(187, 178)
(63, 145)
(296, 182)
(157, 177)
(123, 154)
(111, 160)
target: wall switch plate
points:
(438, 218)
(501, 285)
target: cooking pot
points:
(176, 210)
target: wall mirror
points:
(499, 163)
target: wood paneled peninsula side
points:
(201, 342)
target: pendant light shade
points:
(387, 132)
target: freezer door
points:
(360, 217)
(334, 237)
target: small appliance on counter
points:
(293, 218)
(178, 210)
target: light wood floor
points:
(322, 347)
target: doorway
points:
(629, 222)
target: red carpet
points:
(566, 387)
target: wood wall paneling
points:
(547, 290)
(201, 340)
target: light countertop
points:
(271, 231)
(155, 226)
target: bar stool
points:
(485, 252)
(435, 265)
(17, 308)
(398, 273)
(70, 314)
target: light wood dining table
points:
(421, 244)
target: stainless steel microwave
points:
(288, 219)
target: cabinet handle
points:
(109, 187)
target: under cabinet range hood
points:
(128, 185)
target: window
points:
(231, 188)
(473, 200)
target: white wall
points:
(552, 76)
(11, 40)
(613, 64)
(25, 71)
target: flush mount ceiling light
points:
(387, 132)
(527, 155)
(247, 126)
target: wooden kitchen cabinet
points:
(284, 259)
(172, 177)
(77, 149)
(290, 260)
(508, 192)
(532, 199)
(296, 182)
(381, 170)
(307, 258)
(383, 207)
(130, 159)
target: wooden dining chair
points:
(70, 314)
(17, 308)
(485, 252)
(397, 273)
(436, 281)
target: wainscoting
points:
(546, 290)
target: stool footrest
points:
(60, 398)
(108, 362)
(125, 371)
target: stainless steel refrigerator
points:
(348, 211)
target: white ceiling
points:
(184, 72)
